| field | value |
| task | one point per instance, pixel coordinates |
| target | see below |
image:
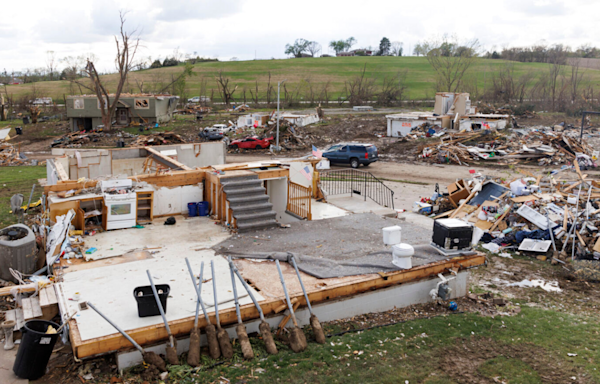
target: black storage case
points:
(147, 303)
(452, 234)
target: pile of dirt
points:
(463, 361)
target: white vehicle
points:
(224, 128)
(197, 99)
(42, 101)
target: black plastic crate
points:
(452, 234)
(147, 303)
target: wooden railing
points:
(299, 200)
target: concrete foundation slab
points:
(398, 296)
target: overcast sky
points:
(248, 28)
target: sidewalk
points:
(7, 358)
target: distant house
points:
(362, 52)
(84, 112)
(345, 54)
(16, 81)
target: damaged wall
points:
(95, 163)
(173, 201)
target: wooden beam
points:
(181, 328)
(166, 160)
(62, 174)
(172, 179)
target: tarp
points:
(324, 268)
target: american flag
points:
(306, 172)
(316, 153)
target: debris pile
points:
(289, 138)
(161, 138)
(77, 139)
(551, 217)
(9, 155)
(544, 145)
(522, 111)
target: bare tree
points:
(225, 88)
(270, 89)
(396, 48)
(254, 95)
(392, 89)
(324, 95)
(577, 76)
(51, 63)
(361, 89)
(291, 97)
(126, 49)
(451, 60)
(313, 48)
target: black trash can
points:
(35, 349)
(25, 119)
(19, 130)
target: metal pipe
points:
(277, 147)
(30, 196)
(235, 296)
(260, 311)
(287, 297)
(301, 284)
(122, 332)
(195, 288)
(212, 268)
(160, 307)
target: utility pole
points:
(277, 147)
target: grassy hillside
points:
(336, 70)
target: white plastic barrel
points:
(402, 255)
(392, 235)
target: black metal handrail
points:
(357, 182)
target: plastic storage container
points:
(146, 301)
(203, 208)
(192, 209)
(402, 255)
(35, 349)
(392, 235)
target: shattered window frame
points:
(79, 103)
(139, 103)
(105, 103)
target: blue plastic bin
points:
(192, 209)
(203, 208)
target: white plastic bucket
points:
(402, 255)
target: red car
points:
(251, 142)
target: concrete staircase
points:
(249, 203)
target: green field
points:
(15, 180)
(336, 70)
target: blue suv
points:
(354, 154)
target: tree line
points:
(306, 48)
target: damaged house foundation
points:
(107, 226)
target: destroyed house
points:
(452, 111)
(84, 114)
(111, 226)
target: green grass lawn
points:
(336, 70)
(15, 180)
(530, 347)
